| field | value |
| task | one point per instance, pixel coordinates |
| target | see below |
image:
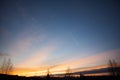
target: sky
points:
(59, 33)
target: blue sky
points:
(51, 32)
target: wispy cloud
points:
(3, 54)
(84, 64)
(93, 60)
(24, 41)
(37, 57)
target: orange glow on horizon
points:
(61, 68)
(43, 72)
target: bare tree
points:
(48, 74)
(68, 74)
(113, 68)
(6, 67)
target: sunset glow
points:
(44, 36)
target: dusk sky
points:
(60, 33)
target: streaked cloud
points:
(87, 63)
(25, 40)
(39, 56)
(93, 60)
(3, 54)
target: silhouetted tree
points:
(81, 74)
(114, 70)
(67, 72)
(48, 75)
(6, 67)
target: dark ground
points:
(11, 77)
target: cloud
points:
(24, 41)
(3, 54)
(75, 65)
(38, 57)
(93, 60)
